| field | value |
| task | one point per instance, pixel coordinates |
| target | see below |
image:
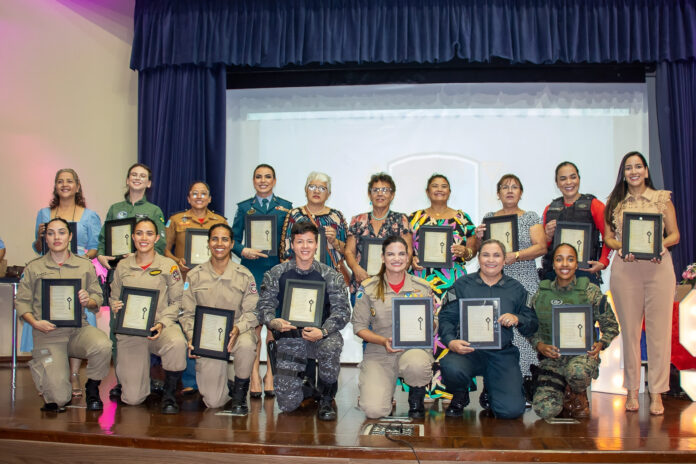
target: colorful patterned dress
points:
(334, 218)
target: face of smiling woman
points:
(395, 258)
(565, 263)
(220, 244)
(145, 236)
(491, 260)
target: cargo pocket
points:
(39, 366)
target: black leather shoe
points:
(169, 406)
(484, 399)
(456, 407)
(92, 399)
(416, 406)
(115, 393)
(326, 411)
(52, 407)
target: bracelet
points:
(517, 256)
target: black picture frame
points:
(47, 314)
(191, 258)
(467, 332)
(72, 227)
(365, 256)
(251, 218)
(511, 241)
(200, 349)
(446, 244)
(655, 233)
(149, 311)
(109, 227)
(564, 228)
(288, 313)
(583, 311)
(399, 305)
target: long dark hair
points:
(79, 197)
(382, 285)
(621, 188)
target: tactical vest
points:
(548, 296)
(580, 211)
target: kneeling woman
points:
(147, 269)
(572, 374)
(224, 284)
(499, 368)
(52, 345)
(372, 321)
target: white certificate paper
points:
(136, 312)
(121, 240)
(412, 323)
(374, 258)
(575, 237)
(641, 238)
(480, 321)
(213, 332)
(62, 302)
(303, 304)
(502, 231)
(200, 253)
(571, 328)
(261, 235)
(435, 247)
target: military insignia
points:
(186, 286)
(359, 294)
(176, 275)
(556, 302)
(285, 210)
(184, 219)
(155, 272)
(161, 219)
(122, 214)
(252, 288)
(169, 222)
(251, 211)
(140, 216)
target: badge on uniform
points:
(251, 211)
(176, 275)
(122, 214)
(155, 272)
(252, 288)
(169, 222)
(186, 286)
(360, 292)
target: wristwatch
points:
(324, 333)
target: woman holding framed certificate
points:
(146, 283)
(381, 304)
(564, 307)
(50, 297)
(642, 289)
(69, 203)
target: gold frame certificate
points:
(211, 332)
(260, 233)
(138, 313)
(577, 234)
(60, 304)
(303, 302)
(504, 229)
(412, 323)
(196, 247)
(371, 255)
(435, 246)
(572, 328)
(118, 237)
(478, 322)
(642, 235)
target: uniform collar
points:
(227, 275)
(315, 267)
(209, 215)
(259, 200)
(70, 262)
(156, 263)
(567, 288)
(142, 201)
(648, 195)
(500, 283)
(408, 285)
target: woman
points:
(382, 222)
(465, 245)
(575, 207)
(642, 289)
(224, 284)
(53, 345)
(149, 270)
(372, 321)
(68, 202)
(520, 264)
(499, 368)
(568, 375)
(265, 202)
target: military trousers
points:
(554, 375)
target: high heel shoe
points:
(76, 387)
(268, 393)
(255, 394)
(632, 401)
(656, 406)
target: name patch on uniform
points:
(140, 216)
(155, 272)
(252, 288)
(556, 302)
(122, 214)
(176, 275)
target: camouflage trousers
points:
(554, 375)
(291, 361)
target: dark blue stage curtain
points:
(676, 119)
(181, 122)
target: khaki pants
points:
(133, 364)
(378, 374)
(49, 365)
(212, 374)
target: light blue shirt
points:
(88, 228)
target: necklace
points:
(312, 212)
(375, 218)
(73, 212)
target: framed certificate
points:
(578, 234)
(371, 255)
(118, 236)
(478, 322)
(503, 229)
(303, 302)
(60, 304)
(211, 332)
(260, 233)
(196, 247)
(435, 246)
(571, 328)
(320, 254)
(412, 323)
(138, 313)
(72, 227)
(642, 235)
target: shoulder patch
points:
(359, 294)
(252, 288)
(449, 297)
(186, 285)
(174, 271)
(169, 223)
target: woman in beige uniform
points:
(52, 345)
(642, 289)
(372, 321)
(223, 284)
(147, 269)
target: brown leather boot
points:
(581, 405)
(568, 397)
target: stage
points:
(140, 433)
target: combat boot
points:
(485, 399)
(326, 410)
(581, 405)
(92, 399)
(416, 408)
(238, 405)
(456, 407)
(168, 404)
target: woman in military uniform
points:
(372, 321)
(52, 345)
(147, 269)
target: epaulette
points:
(244, 201)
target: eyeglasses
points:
(199, 194)
(380, 190)
(317, 188)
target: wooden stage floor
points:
(141, 433)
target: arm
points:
(104, 260)
(670, 216)
(159, 220)
(238, 231)
(528, 322)
(188, 305)
(249, 318)
(175, 291)
(535, 338)
(268, 298)
(116, 286)
(538, 248)
(597, 210)
(603, 314)
(549, 228)
(338, 298)
(39, 230)
(93, 289)
(93, 229)
(170, 239)
(284, 253)
(448, 318)
(350, 254)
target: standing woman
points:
(264, 202)
(574, 206)
(68, 202)
(464, 248)
(382, 222)
(642, 289)
(372, 321)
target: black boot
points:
(168, 403)
(528, 386)
(156, 386)
(416, 408)
(92, 399)
(326, 410)
(457, 405)
(52, 407)
(115, 393)
(230, 387)
(484, 399)
(238, 405)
